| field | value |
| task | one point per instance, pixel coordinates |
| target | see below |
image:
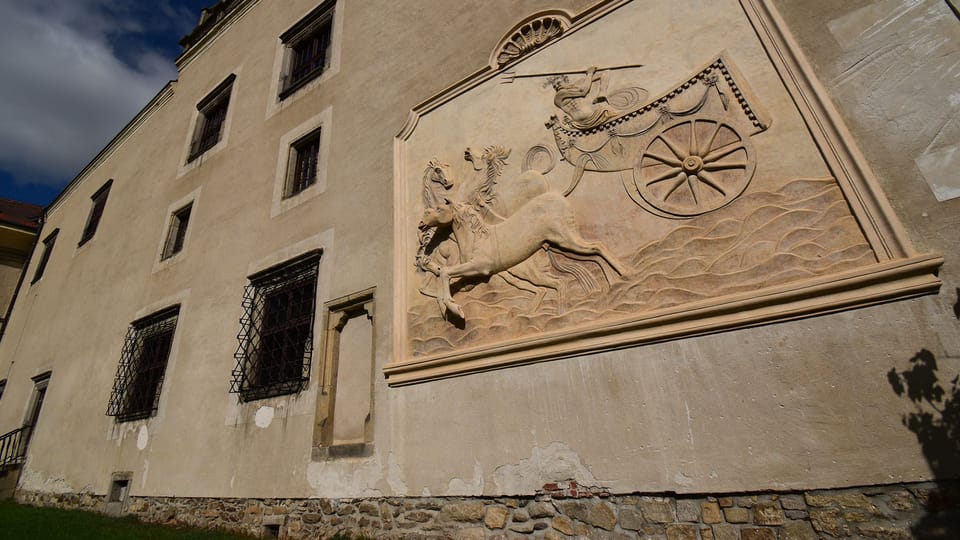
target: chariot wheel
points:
(693, 166)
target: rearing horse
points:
(546, 219)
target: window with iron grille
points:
(276, 335)
(212, 117)
(136, 388)
(96, 211)
(302, 171)
(177, 232)
(48, 243)
(307, 48)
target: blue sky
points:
(74, 73)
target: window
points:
(212, 117)
(307, 49)
(136, 388)
(3, 386)
(302, 170)
(177, 233)
(45, 257)
(96, 211)
(276, 337)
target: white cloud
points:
(65, 92)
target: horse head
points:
(437, 173)
(436, 216)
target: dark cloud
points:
(75, 72)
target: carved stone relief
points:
(618, 218)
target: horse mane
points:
(430, 196)
(496, 158)
(472, 216)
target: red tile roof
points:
(20, 214)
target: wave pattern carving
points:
(802, 230)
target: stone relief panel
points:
(624, 181)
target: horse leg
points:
(573, 242)
(445, 298)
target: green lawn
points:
(28, 523)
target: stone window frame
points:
(337, 313)
(136, 395)
(163, 260)
(283, 200)
(318, 23)
(99, 203)
(48, 244)
(281, 279)
(215, 106)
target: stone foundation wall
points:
(566, 510)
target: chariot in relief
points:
(680, 155)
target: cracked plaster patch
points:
(470, 487)
(556, 461)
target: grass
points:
(26, 522)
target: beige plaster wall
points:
(793, 405)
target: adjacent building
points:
(471, 269)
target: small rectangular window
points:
(3, 386)
(307, 47)
(143, 362)
(177, 232)
(96, 212)
(210, 122)
(276, 340)
(304, 157)
(48, 243)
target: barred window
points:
(302, 171)
(96, 212)
(276, 336)
(212, 117)
(307, 48)
(136, 389)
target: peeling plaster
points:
(143, 476)
(31, 480)
(263, 417)
(682, 479)
(466, 488)
(425, 492)
(143, 437)
(556, 461)
(347, 478)
(395, 476)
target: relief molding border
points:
(901, 272)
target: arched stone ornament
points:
(627, 179)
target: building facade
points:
(570, 268)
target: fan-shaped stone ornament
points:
(529, 36)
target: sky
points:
(74, 72)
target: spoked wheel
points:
(694, 166)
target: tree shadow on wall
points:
(935, 421)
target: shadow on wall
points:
(935, 421)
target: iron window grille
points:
(304, 158)
(96, 212)
(308, 47)
(276, 330)
(143, 362)
(212, 117)
(177, 232)
(48, 243)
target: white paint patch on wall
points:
(556, 461)
(467, 488)
(263, 417)
(143, 475)
(143, 437)
(347, 478)
(31, 480)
